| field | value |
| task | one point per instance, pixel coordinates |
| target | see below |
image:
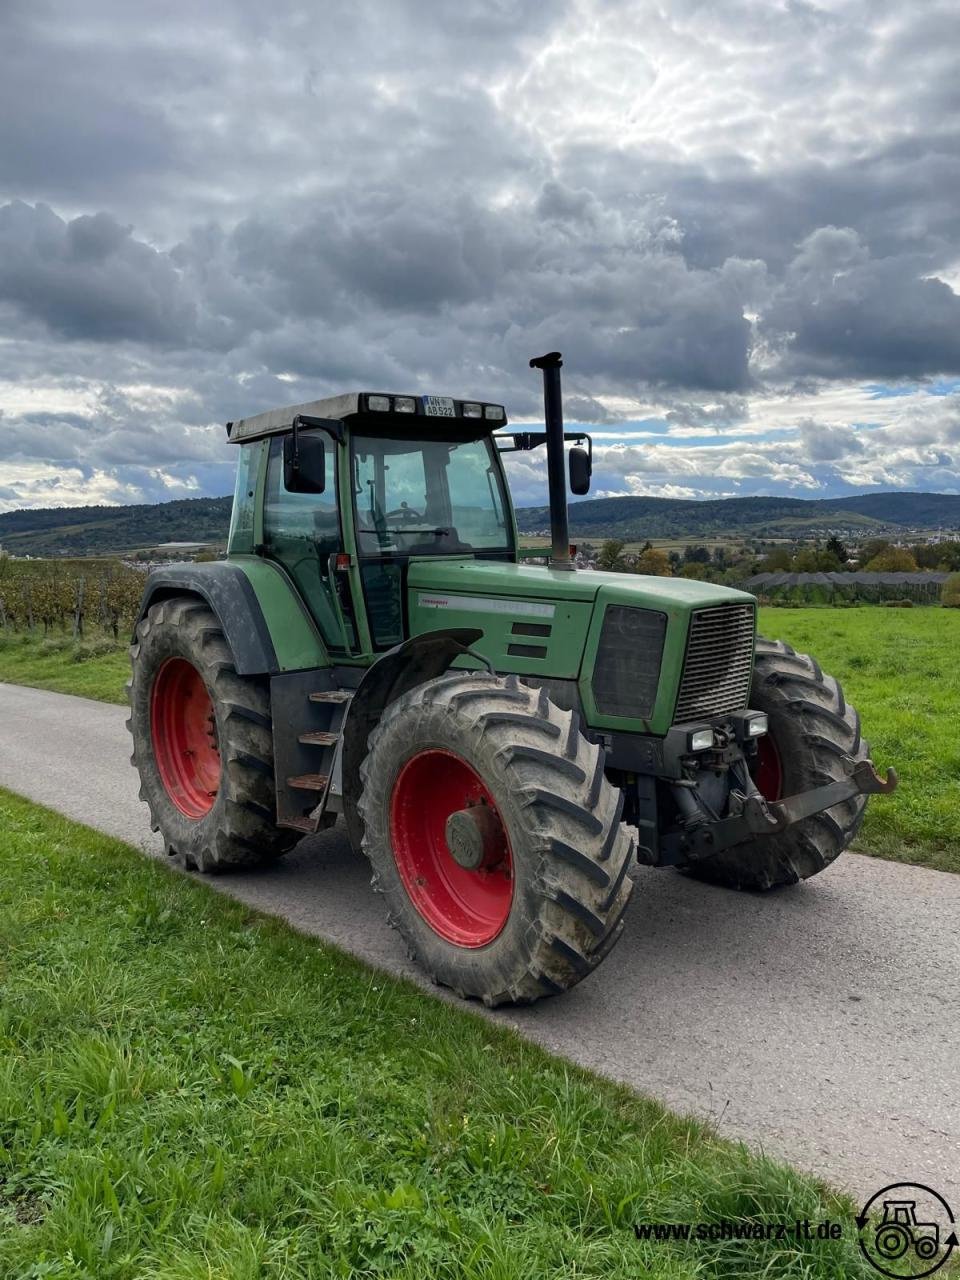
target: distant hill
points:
(635, 518)
(91, 531)
(79, 531)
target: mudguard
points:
(227, 590)
(414, 662)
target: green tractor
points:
(503, 740)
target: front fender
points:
(414, 662)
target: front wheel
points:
(812, 727)
(495, 837)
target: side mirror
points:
(580, 470)
(304, 462)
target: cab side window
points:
(301, 530)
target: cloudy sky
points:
(738, 219)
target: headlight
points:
(750, 724)
(699, 739)
(404, 404)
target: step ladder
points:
(302, 796)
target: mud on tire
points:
(811, 726)
(239, 829)
(570, 853)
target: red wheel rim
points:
(466, 907)
(183, 728)
(768, 770)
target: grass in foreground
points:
(899, 669)
(188, 1089)
(95, 668)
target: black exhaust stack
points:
(556, 472)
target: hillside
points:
(85, 531)
(636, 518)
(78, 531)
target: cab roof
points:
(375, 408)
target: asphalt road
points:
(821, 1023)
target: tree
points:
(654, 562)
(892, 560)
(810, 560)
(776, 561)
(926, 554)
(836, 547)
(611, 556)
(872, 547)
(950, 595)
(697, 555)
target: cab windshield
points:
(428, 497)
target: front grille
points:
(718, 664)
(626, 674)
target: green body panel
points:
(492, 596)
(465, 593)
(294, 634)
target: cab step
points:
(309, 781)
(307, 825)
(322, 738)
(332, 695)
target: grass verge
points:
(95, 668)
(899, 669)
(189, 1089)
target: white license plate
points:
(439, 407)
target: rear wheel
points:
(202, 742)
(812, 726)
(495, 837)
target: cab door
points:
(301, 531)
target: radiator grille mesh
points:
(626, 674)
(718, 665)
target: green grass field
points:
(95, 668)
(898, 666)
(192, 1091)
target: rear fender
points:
(228, 592)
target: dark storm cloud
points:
(212, 209)
(89, 278)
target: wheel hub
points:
(472, 836)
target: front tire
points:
(812, 726)
(495, 837)
(202, 742)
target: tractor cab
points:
(343, 493)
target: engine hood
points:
(536, 582)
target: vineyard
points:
(69, 596)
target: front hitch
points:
(862, 780)
(750, 815)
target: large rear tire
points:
(492, 770)
(202, 742)
(811, 727)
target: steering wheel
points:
(405, 514)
